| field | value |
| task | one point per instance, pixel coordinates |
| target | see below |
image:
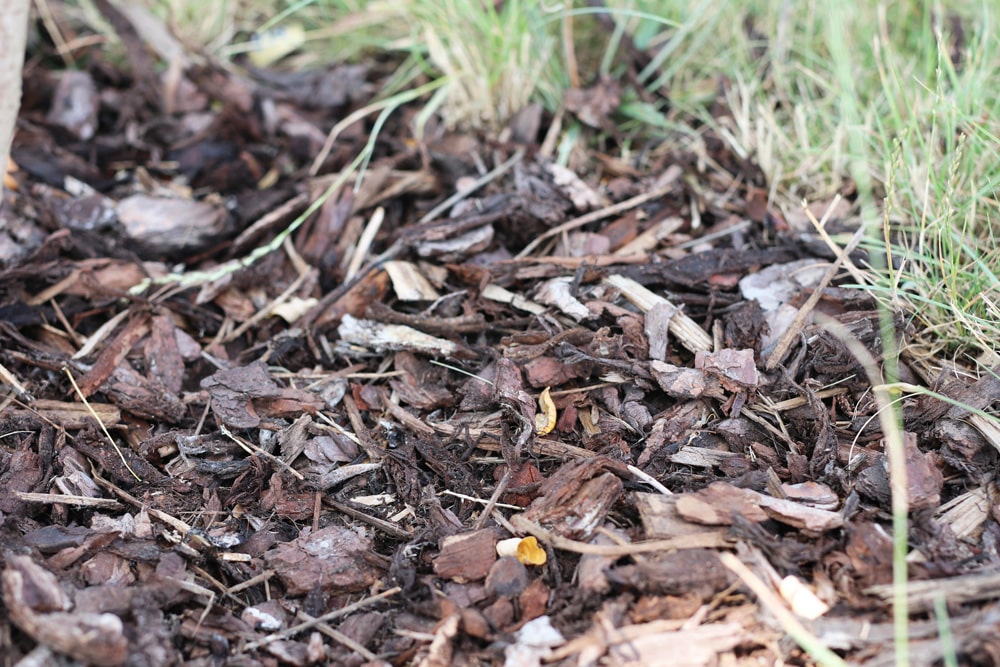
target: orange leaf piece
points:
(545, 420)
(10, 169)
(529, 553)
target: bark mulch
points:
(638, 369)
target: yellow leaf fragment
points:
(272, 45)
(529, 553)
(545, 420)
(9, 181)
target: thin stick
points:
(646, 478)
(478, 183)
(104, 428)
(252, 449)
(820, 226)
(267, 310)
(365, 243)
(594, 216)
(770, 601)
(9, 378)
(481, 501)
(785, 342)
(494, 499)
(306, 625)
(251, 582)
(62, 499)
(340, 637)
(708, 540)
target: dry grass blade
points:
(704, 540)
(306, 625)
(104, 428)
(773, 603)
(687, 331)
(788, 337)
(594, 216)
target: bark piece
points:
(332, 559)
(23, 470)
(699, 646)
(685, 572)
(594, 105)
(409, 283)
(869, 550)
(800, 516)
(163, 354)
(660, 518)
(507, 577)
(557, 292)
(813, 494)
(546, 371)
(671, 428)
(575, 501)
(735, 369)
(657, 326)
(37, 604)
(172, 227)
(242, 396)
(466, 557)
(113, 354)
(720, 502)
(923, 475)
(390, 337)
(716, 505)
(75, 103)
(533, 600)
(679, 382)
(143, 396)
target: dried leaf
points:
(545, 420)
(734, 368)
(272, 45)
(529, 553)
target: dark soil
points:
(640, 364)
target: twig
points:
(785, 342)
(687, 331)
(645, 478)
(267, 310)
(252, 449)
(473, 499)
(381, 524)
(104, 428)
(306, 625)
(712, 539)
(494, 499)
(478, 183)
(820, 226)
(770, 601)
(9, 378)
(63, 499)
(340, 637)
(364, 243)
(594, 216)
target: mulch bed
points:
(637, 368)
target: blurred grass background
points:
(890, 103)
